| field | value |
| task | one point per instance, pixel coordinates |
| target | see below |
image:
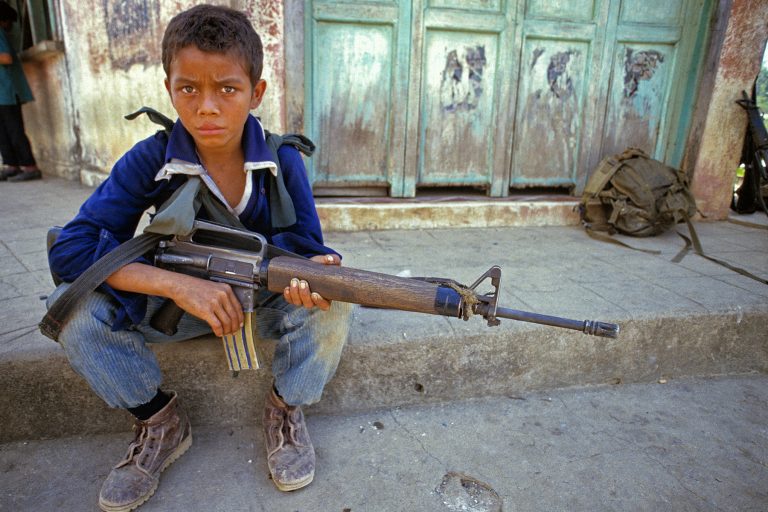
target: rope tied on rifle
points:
(468, 298)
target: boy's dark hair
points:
(214, 28)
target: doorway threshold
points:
(445, 212)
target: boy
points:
(212, 58)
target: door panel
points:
(353, 114)
(651, 12)
(551, 95)
(565, 10)
(464, 53)
(356, 94)
(644, 66)
(457, 108)
(637, 100)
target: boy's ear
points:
(258, 93)
(168, 88)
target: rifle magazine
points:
(240, 349)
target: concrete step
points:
(688, 445)
(678, 319)
(396, 358)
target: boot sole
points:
(178, 452)
(295, 485)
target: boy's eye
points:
(228, 89)
(187, 89)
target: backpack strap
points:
(281, 208)
(605, 171)
(154, 116)
(694, 242)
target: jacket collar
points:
(181, 155)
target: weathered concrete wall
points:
(49, 119)
(110, 68)
(722, 135)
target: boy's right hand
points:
(210, 301)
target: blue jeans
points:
(123, 371)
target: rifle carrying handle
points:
(166, 318)
(364, 287)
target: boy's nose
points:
(208, 105)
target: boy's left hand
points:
(299, 294)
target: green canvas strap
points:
(607, 238)
(58, 314)
(605, 171)
(747, 224)
(281, 208)
(694, 243)
(597, 182)
(175, 216)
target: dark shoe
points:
(27, 175)
(290, 454)
(159, 441)
(8, 172)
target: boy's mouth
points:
(209, 129)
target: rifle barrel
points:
(593, 327)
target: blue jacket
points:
(112, 213)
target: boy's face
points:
(212, 94)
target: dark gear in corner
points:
(750, 196)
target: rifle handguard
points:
(371, 289)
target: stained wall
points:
(110, 67)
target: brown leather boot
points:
(290, 454)
(159, 441)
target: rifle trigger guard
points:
(490, 299)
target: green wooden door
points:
(356, 96)
(458, 118)
(495, 95)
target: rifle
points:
(754, 154)
(245, 261)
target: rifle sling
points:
(56, 317)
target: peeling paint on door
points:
(352, 103)
(457, 102)
(639, 66)
(462, 79)
(560, 82)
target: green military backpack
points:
(635, 195)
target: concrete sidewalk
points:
(691, 445)
(692, 318)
